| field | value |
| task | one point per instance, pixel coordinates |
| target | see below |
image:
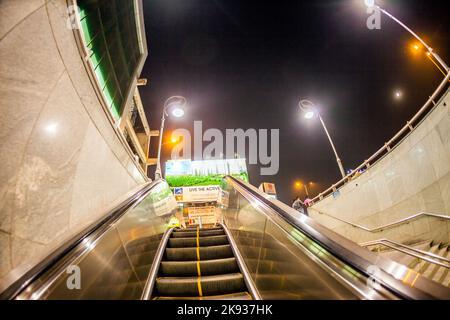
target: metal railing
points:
(411, 251)
(388, 225)
(391, 144)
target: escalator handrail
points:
(151, 279)
(350, 253)
(95, 229)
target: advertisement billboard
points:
(185, 173)
(202, 215)
(197, 193)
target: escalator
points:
(259, 249)
(199, 264)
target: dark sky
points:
(246, 63)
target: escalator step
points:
(206, 253)
(186, 234)
(203, 241)
(190, 268)
(194, 228)
(230, 296)
(210, 285)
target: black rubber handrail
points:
(353, 257)
(99, 226)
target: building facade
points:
(74, 136)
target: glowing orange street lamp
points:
(419, 48)
(420, 42)
(299, 184)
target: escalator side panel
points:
(279, 267)
(116, 263)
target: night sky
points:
(246, 63)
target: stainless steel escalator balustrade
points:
(115, 259)
(290, 256)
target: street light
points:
(371, 4)
(299, 184)
(310, 111)
(418, 48)
(398, 94)
(173, 106)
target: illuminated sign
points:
(197, 193)
(202, 215)
(184, 173)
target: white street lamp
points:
(174, 106)
(310, 111)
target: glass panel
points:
(283, 262)
(116, 265)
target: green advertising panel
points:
(185, 173)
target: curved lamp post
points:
(310, 111)
(174, 106)
(371, 4)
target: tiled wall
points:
(413, 178)
(62, 163)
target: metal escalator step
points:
(190, 268)
(230, 296)
(187, 234)
(206, 253)
(210, 285)
(195, 229)
(203, 241)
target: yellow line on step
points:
(415, 279)
(199, 286)
(198, 245)
(405, 279)
(198, 241)
(199, 279)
